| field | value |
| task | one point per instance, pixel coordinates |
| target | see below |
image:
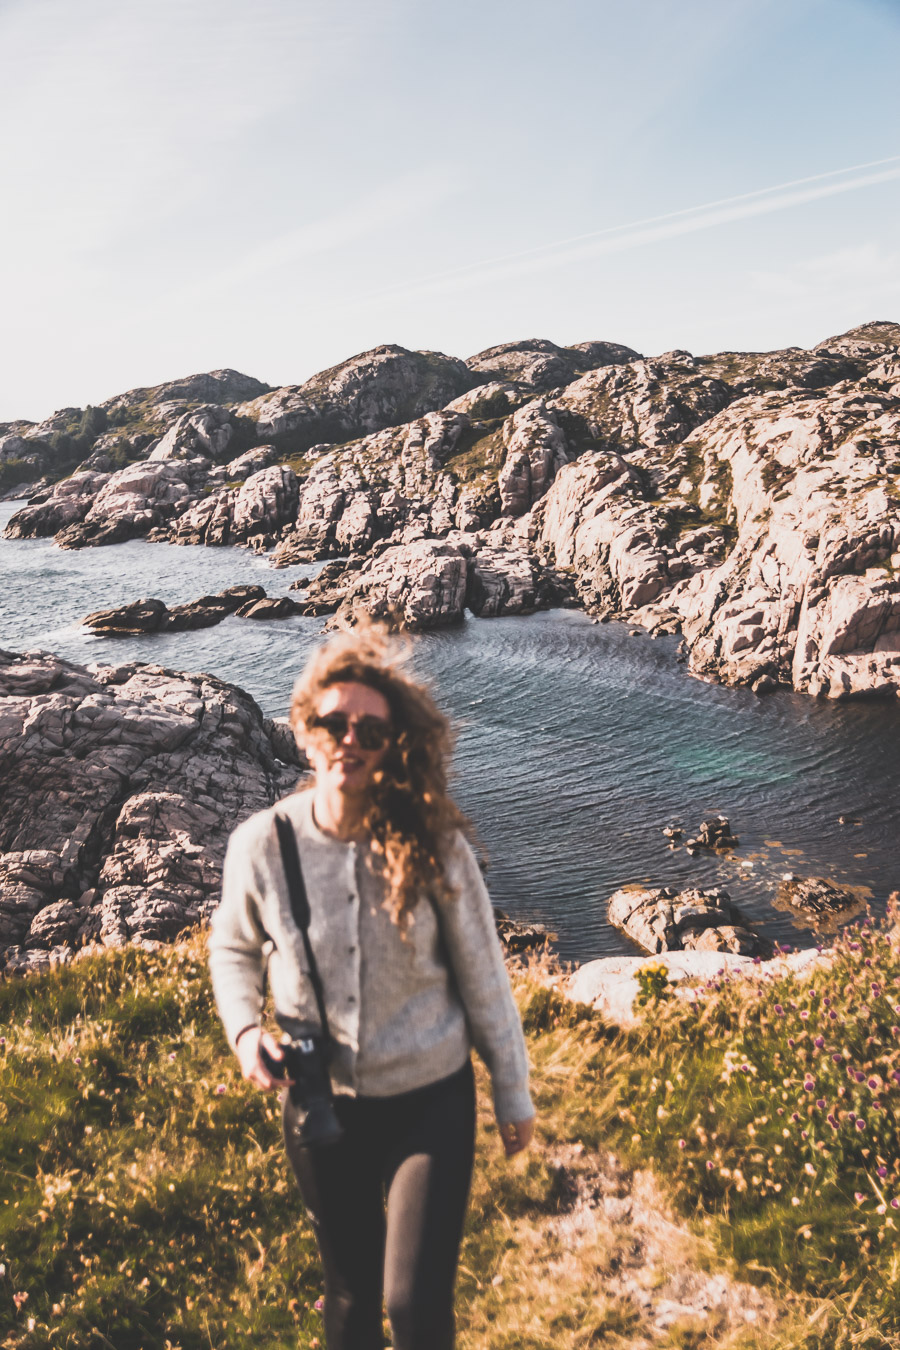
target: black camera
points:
(306, 1055)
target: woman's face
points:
(347, 737)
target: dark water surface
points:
(577, 742)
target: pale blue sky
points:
(274, 185)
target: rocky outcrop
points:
(119, 786)
(540, 365)
(141, 616)
(255, 511)
(714, 833)
(750, 501)
(270, 607)
(380, 388)
(214, 386)
(428, 583)
(204, 432)
(67, 504)
(535, 451)
(251, 461)
(134, 500)
(423, 583)
(819, 899)
(611, 986)
(663, 920)
(153, 616)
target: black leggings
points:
(414, 1151)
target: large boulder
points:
(663, 919)
(205, 431)
(119, 786)
(140, 616)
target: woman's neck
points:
(337, 813)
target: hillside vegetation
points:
(749, 1137)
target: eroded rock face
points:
(202, 432)
(536, 451)
(134, 500)
(664, 920)
(119, 786)
(380, 388)
(258, 509)
(67, 504)
(424, 583)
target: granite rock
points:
(119, 786)
(204, 432)
(383, 387)
(664, 919)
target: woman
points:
(403, 935)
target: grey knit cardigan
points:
(404, 1008)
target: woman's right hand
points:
(252, 1066)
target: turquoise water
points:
(577, 742)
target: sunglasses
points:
(372, 733)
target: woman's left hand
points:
(516, 1135)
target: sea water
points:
(577, 742)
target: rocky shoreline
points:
(119, 786)
(748, 501)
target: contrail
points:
(634, 233)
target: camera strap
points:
(290, 859)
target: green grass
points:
(145, 1201)
(479, 452)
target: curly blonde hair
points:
(409, 816)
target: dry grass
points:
(146, 1203)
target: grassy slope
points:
(145, 1201)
